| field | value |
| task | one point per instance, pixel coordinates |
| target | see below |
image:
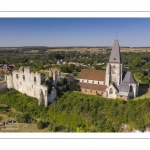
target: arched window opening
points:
(23, 77)
(131, 88)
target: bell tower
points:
(114, 66)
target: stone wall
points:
(108, 94)
(91, 92)
(92, 81)
(52, 96)
(29, 83)
(122, 97)
(2, 85)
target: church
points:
(112, 83)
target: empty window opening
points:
(17, 76)
(110, 91)
(131, 88)
(23, 77)
(34, 79)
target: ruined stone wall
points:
(29, 83)
(52, 96)
(3, 85)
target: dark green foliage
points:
(40, 124)
(77, 112)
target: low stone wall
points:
(91, 92)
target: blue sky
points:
(74, 31)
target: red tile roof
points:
(98, 75)
(92, 86)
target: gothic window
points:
(23, 77)
(131, 88)
(110, 91)
(17, 76)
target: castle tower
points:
(114, 66)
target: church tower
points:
(114, 66)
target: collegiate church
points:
(112, 83)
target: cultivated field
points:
(32, 51)
(76, 49)
(97, 50)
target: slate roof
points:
(115, 56)
(98, 75)
(92, 86)
(128, 77)
(124, 87)
(123, 93)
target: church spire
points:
(115, 56)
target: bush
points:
(40, 125)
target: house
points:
(112, 83)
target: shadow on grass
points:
(143, 89)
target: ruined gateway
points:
(30, 83)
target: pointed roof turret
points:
(128, 78)
(115, 56)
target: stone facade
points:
(30, 83)
(112, 83)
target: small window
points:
(17, 76)
(82, 80)
(131, 88)
(110, 91)
(120, 95)
(87, 81)
(23, 77)
(85, 90)
(91, 91)
(98, 82)
(114, 58)
(93, 81)
(34, 79)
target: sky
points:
(132, 32)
